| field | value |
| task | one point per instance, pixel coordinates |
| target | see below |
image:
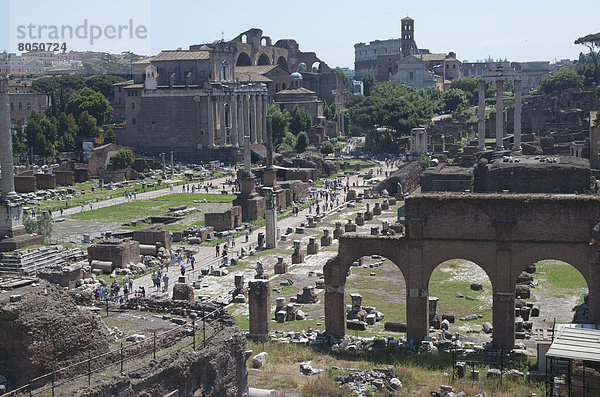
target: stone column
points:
(259, 116)
(234, 120)
(270, 217)
(499, 114)
(259, 307)
(222, 124)
(7, 189)
(481, 116)
(172, 167)
(265, 108)
(254, 122)
(343, 122)
(241, 119)
(517, 116)
(503, 320)
(247, 116)
(247, 166)
(593, 282)
(164, 167)
(335, 310)
(211, 123)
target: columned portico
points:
(222, 128)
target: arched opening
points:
(276, 87)
(302, 67)
(546, 292)
(460, 301)
(283, 86)
(244, 39)
(243, 60)
(263, 59)
(263, 41)
(281, 61)
(376, 293)
(316, 67)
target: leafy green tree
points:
(130, 56)
(347, 122)
(301, 120)
(368, 81)
(122, 159)
(280, 121)
(91, 101)
(302, 67)
(565, 78)
(592, 42)
(18, 142)
(454, 99)
(326, 148)
(87, 125)
(425, 161)
(68, 83)
(109, 135)
(103, 83)
(40, 224)
(289, 141)
(301, 142)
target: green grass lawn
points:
(141, 209)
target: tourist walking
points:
(165, 280)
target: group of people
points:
(116, 293)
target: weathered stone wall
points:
(447, 179)
(228, 220)
(120, 253)
(45, 181)
(64, 178)
(152, 235)
(25, 184)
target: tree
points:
(18, 143)
(565, 78)
(347, 123)
(67, 133)
(109, 135)
(91, 101)
(280, 122)
(103, 83)
(368, 81)
(326, 148)
(302, 67)
(87, 125)
(425, 161)
(301, 142)
(40, 224)
(592, 42)
(301, 120)
(344, 76)
(453, 99)
(289, 141)
(122, 159)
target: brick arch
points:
(243, 60)
(263, 59)
(282, 61)
(503, 234)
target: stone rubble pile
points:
(381, 380)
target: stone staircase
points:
(29, 262)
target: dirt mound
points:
(45, 328)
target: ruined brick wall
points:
(227, 220)
(152, 235)
(447, 179)
(25, 184)
(120, 253)
(569, 176)
(408, 176)
(45, 181)
(64, 178)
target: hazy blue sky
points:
(519, 30)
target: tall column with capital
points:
(241, 119)
(499, 114)
(234, 119)
(517, 116)
(481, 116)
(246, 116)
(211, 122)
(7, 189)
(222, 124)
(264, 117)
(259, 123)
(253, 123)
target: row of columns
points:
(499, 116)
(247, 116)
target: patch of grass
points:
(560, 276)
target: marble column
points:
(7, 188)
(240, 106)
(222, 124)
(499, 114)
(481, 116)
(211, 122)
(247, 116)
(264, 117)
(253, 123)
(233, 102)
(259, 124)
(517, 116)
